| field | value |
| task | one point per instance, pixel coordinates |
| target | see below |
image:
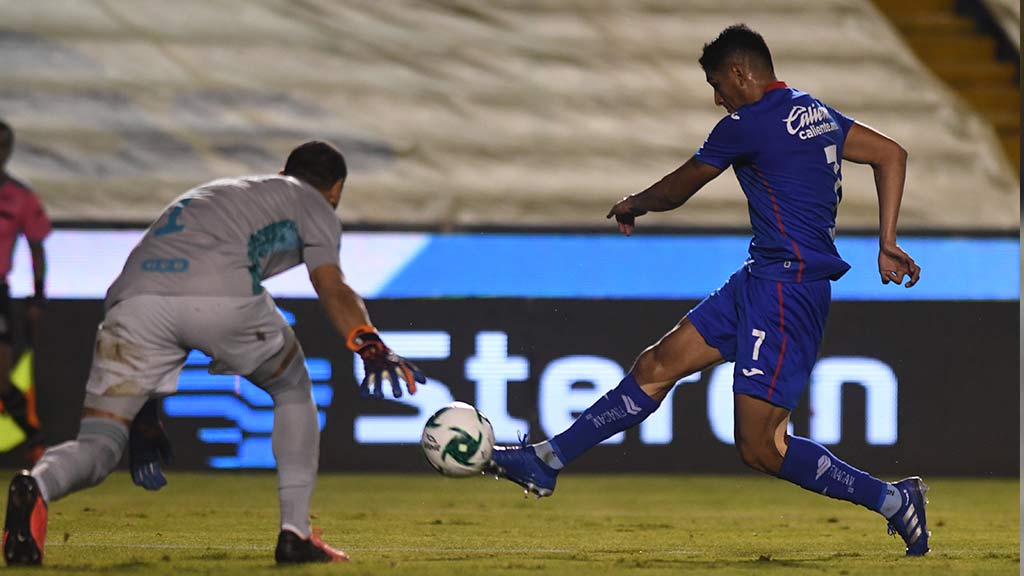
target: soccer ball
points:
(458, 440)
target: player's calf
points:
(536, 467)
(812, 466)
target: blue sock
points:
(623, 407)
(810, 465)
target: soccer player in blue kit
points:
(786, 148)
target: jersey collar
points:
(764, 98)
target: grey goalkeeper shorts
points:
(143, 341)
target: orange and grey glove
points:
(380, 361)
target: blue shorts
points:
(772, 331)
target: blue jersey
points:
(786, 150)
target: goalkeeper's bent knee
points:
(284, 375)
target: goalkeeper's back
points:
(224, 237)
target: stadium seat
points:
(967, 48)
(522, 113)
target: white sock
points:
(295, 531)
(892, 503)
(547, 455)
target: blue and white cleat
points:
(909, 522)
(521, 465)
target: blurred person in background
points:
(21, 212)
(786, 148)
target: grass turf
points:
(421, 524)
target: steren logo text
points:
(808, 122)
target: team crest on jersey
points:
(809, 121)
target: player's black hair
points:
(316, 163)
(735, 40)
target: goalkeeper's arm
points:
(345, 309)
(348, 314)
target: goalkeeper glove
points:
(381, 361)
(148, 446)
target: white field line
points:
(367, 550)
(414, 549)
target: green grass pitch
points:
(423, 524)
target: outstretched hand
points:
(894, 264)
(625, 214)
(381, 362)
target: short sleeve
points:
(726, 144)
(320, 231)
(33, 220)
(844, 121)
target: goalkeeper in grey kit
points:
(194, 282)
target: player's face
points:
(334, 194)
(728, 91)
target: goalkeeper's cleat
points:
(25, 526)
(521, 465)
(909, 522)
(293, 549)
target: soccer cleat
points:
(293, 549)
(521, 465)
(909, 522)
(25, 526)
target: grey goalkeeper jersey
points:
(224, 237)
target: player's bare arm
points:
(344, 307)
(347, 312)
(669, 193)
(888, 160)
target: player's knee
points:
(293, 386)
(748, 453)
(284, 375)
(760, 454)
(657, 364)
